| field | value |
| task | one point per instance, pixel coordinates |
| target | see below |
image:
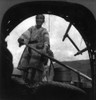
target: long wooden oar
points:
(68, 67)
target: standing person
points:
(38, 37)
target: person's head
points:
(40, 18)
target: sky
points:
(56, 26)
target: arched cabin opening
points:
(80, 17)
(64, 50)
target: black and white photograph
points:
(47, 49)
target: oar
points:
(68, 67)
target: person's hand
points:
(43, 50)
(21, 42)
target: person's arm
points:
(24, 38)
